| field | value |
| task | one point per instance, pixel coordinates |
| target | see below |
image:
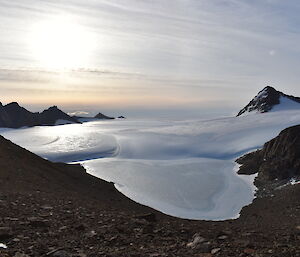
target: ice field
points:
(182, 168)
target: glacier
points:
(183, 168)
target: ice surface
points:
(183, 168)
(196, 188)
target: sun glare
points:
(61, 43)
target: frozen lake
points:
(182, 168)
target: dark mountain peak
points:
(51, 115)
(102, 116)
(13, 104)
(53, 108)
(265, 100)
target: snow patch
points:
(285, 104)
(3, 246)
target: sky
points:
(147, 57)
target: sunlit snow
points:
(183, 168)
(3, 246)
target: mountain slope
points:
(267, 99)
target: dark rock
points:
(5, 233)
(151, 217)
(18, 254)
(13, 115)
(51, 115)
(278, 159)
(37, 222)
(103, 117)
(80, 227)
(61, 253)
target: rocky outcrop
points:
(13, 115)
(103, 117)
(265, 100)
(279, 159)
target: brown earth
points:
(52, 209)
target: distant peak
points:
(13, 104)
(53, 107)
(102, 116)
(265, 100)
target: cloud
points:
(78, 113)
(182, 48)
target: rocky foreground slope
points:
(52, 209)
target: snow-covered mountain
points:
(269, 99)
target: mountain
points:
(269, 99)
(53, 116)
(13, 115)
(102, 116)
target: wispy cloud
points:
(177, 47)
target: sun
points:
(61, 43)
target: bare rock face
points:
(279, 159)
(265, 100)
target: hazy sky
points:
(135, 56)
